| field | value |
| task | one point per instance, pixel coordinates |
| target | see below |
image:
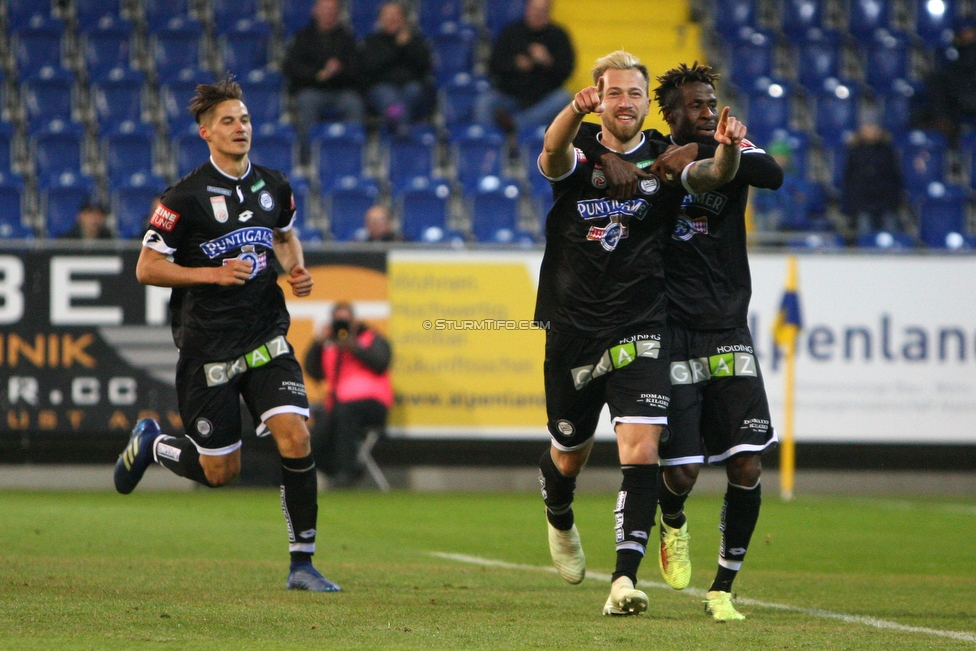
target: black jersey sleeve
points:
(286, 199)
(587, 141)
(756, 167)
(171, 220)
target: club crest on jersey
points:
(220, 212)
(649, 186)
(258, 260)
(686, 228)
(266, 201)
(254, 235)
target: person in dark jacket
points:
(324, 71)
(872, 187)
(354, 360)
(90, 224)
(530, 62)
(397, 62)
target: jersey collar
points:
(247, 172)
(599, 137)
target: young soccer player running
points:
(214, 238)
(718, 411)
(601, 290)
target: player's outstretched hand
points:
(590, 99)
(729, 131)
(670, 164)
(233, 272)
(301, 281)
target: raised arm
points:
(705, 175)
(558, 156)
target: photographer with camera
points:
(354, 361)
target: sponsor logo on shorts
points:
(700, 369)
(266, 200)
(164, 219)
(219, 373)
(756, 424)
(565, 427)
(204, 427)
(655, 400)
(216, 190)
(618, 356)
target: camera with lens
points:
(341, 329)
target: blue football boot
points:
(136, 456)
(302, 576)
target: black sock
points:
(739, 516)
(181, 456)
(299, 502)
(634, 517)
(557, 491)
(672, 504)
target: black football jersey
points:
(708, 280)
(602, 272)
(206, 220)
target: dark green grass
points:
(206, 570)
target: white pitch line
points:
(814, 612)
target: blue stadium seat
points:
(128, 148)
(118, 96)
(923, 159)
(11, 207)
(412, 155)
(888, 59)
(868, 17)
(769, 108)
(934, 21)
(177, 46)
(886, 241)
(837, 113)
(800, 16)
(264, 95)
(818, 58)
(798, 143)
(107, 46)
(61, 197)
(453, 48)
(736, 17)
(478, 151)
(6, 147)
(190, 151)
(58, 148)
(338, 149)
(347, 203)
(244, 47)
(176, 93)
(362, 14)
(21, 13)
(499, 13)
(967, 148)
(897, 101)
(228, 14)
(295, 14)
(91, 13)
(435, 14)
(495, 208)
(48, 95)
(751, 58)
(39, 45)
(273, 145)
(160, 12)
(301, 192)
(457, 98)
(423, 206)
(942, 214)
(132, 198)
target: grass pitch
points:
(206, 570)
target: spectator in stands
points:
(354, 360)
(397, 63)
(90, 224)
(530, 61)
(871, 189)
(949, 99)
(378, 223)
(787, 207)
(322, 66)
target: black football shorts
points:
(629, 374)
(718, 401)
(269, 380)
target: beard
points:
(622, 132)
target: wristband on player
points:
(576, 108)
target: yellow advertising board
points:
(467, 355)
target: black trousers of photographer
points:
(336, 445)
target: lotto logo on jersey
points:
(164, 219)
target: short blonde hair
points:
(620, 60)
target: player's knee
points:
(681, 479)
(218, 477)
(744, 470)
